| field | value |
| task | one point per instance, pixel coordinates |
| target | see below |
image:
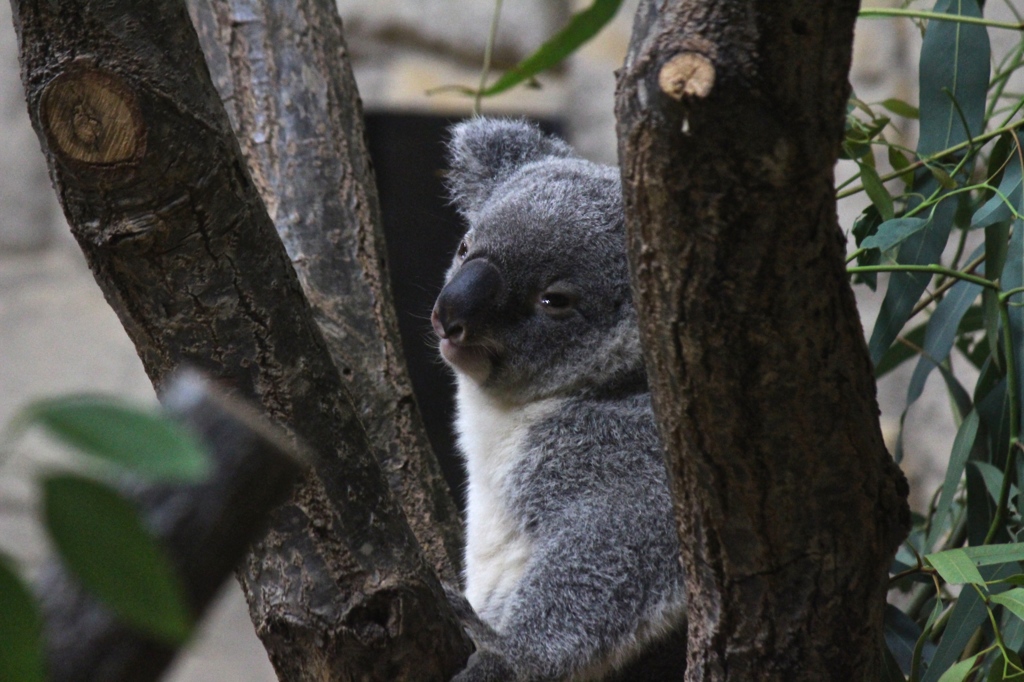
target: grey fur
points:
(577, 480)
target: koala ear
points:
(484, 152)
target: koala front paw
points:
(486, 665)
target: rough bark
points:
(730, 116)
(292, 100)
(206, 528)
(154, 186)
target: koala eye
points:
(463, 250)
(557, 300)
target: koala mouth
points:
(472, 355)
(475, 360)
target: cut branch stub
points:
(688, 74)
(91, 116)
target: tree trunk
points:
(303, 138)
(154, 186)
(730, 120)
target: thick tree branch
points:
(730, 118)
(155, 189)
(294, 107)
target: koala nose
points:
(466, 300)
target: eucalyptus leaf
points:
(993, 478)
(141, 441)
(905, 288)
(954, 67)
(864, 226)
(900, 352)
(582, 26)
(987, 555)
(1012, 629)
(901, 164)
(980, 508)
(901, 108)
(962, 445)
(21, 650)
(964, 619)
(103, 543)
(942, 332)
(990, 304)
(890, 668)
(1013, 277)
(894, 232)
(959, 396)
(1000, 207)
(955, 567)
(901, 635)
(878, 194)
(954, 64)
(1013, 600)
(959, 671)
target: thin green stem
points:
(933, 269)
(488, 52)
(1001, 79)
(937, 156)
(1012, 382)
(924, 302)
(880, 12)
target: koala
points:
(572, 567)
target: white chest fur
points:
(491, 435)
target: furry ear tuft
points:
(484, 152)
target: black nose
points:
(466, 300)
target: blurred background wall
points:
(58, 335)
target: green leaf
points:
(960, 671)
(988, 555)
(864, 226)
(954, 66)
(996, 245)
(901, 636)
(877, 192)
(967, 615)
(942, 331)
(922, 248)
(1000, 208)
(962, 445)
(954, 62)
(990, 304)
(900, 352)
(955, 567)
(893, 232)
(142, 441)
(993, 478)
(21, 651)
(901, 108)
(1011, 278)
(901, 164)
(890, 668)
(1013, 600)
(582, 27)
(943, 178)
(103, 543)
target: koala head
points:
(537, 301)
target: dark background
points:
(422, 231)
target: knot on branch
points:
(91, 116)
(688, 74)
